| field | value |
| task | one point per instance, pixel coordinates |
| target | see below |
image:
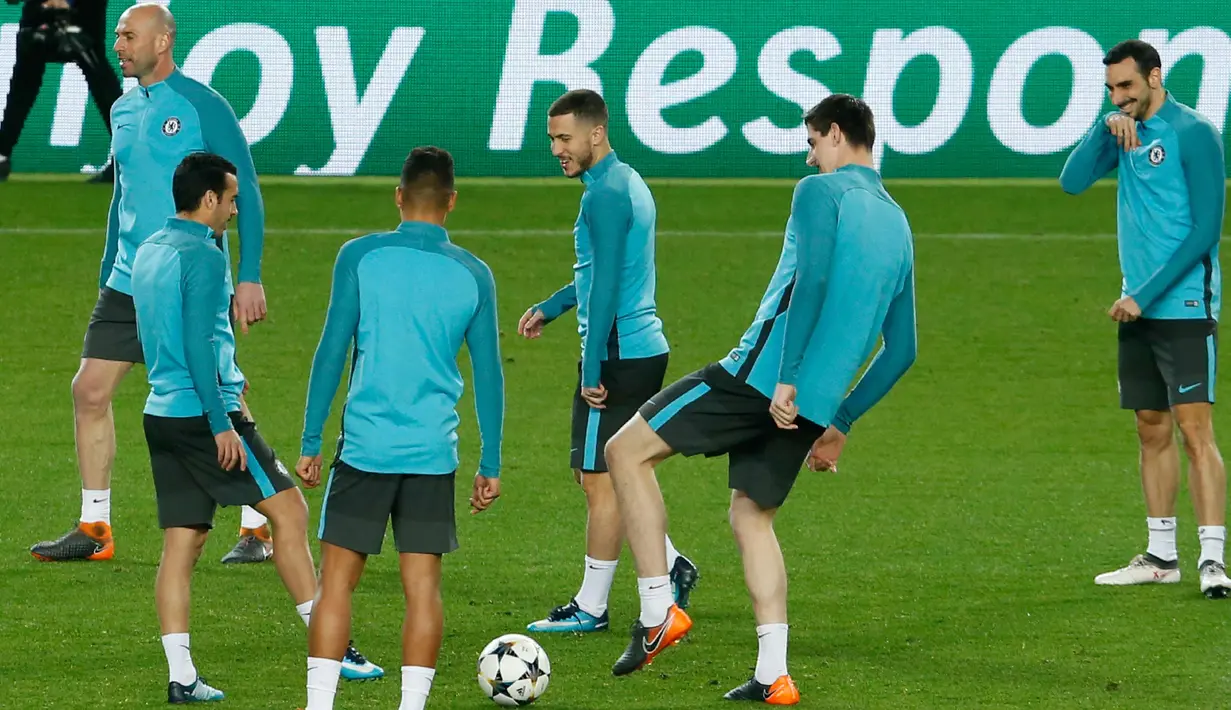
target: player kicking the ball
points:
(623, 349)
(407, 300)
(845, 276)
(203, 451)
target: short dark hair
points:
(852, 114)
(198, 174)
(428, 174)
(582, 103)
(1143, 53)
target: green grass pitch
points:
(948, 565)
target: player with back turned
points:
(845, 276)
(623, 349)
(1171, 201)
(407, 300)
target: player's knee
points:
(1154, 429)
(289, 511)
(1198, 437)
(746, 517)
(90, 392)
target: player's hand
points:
(231, 451)
(1125, 310)
(309, 470)
(531, 324)
(826, 450)
(782, 408)
(1124, 128)
(248, 306)
(486, 491)
(595, 396)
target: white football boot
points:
(1214, 581)
(1144, 569)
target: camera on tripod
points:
(56, 38)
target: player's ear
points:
(452, 201)
(397, 196)
(1156, 78)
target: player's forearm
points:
(251, 233)
(113, 236)
(889, 365)
(560, 302)
(892, 362)
(801, 318)
(598, 331)
(489, 404)
(327, 365)
(1192, 250)
(807, 300)
(202, 361)
(1094, 157)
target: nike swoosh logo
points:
(660, 586)
(1189, 388)
(99, 500)
(651, 647)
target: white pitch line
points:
(761, 234)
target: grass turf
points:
(949, 564)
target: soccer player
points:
(407, 300)
(203, 450)
(1171, 195)
(845, 276)
(154, 126)
(623, 349)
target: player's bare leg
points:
(1160, 462)
(632, 455)
(1207, 482)
(289, 513)
(94, 430)
(587, 611)
(1160, 482)
(604, 535)
(329, 630)
(423, 627)
(173, 598)
(765, 577)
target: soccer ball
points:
(514, 670)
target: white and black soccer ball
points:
(514, 670)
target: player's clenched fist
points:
(309, 470)
(1124, 128)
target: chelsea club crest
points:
(1157, 155)
(171, 126)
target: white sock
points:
(672, 554)
(96, 506)
(771, 653)
(249, 518)
(305, 611)
(596, 585)
(179, 659)
(656, 599)
(1162, 538)
(1213, 539)
(416, 684)
(322, 682)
